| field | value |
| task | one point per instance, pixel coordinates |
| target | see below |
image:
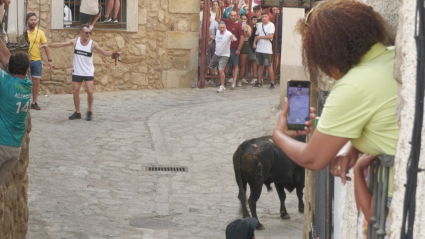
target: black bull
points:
(259, 161)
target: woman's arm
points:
(361, 191)
(249, 31)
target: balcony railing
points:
(379, 173)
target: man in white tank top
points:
(83, 67)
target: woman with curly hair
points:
(344, 40)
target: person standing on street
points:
(90, 12)
(235, 27)
(36, 38)
(15, 99)
(83, 68)
(223, 39)
(264, 49)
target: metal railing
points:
(72, 14)
(379, 174)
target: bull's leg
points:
(252, 201)
(242, 198)
(282, 196)
(300, 199)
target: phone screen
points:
(299, 104)
(243, 23)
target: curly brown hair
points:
(337, 34)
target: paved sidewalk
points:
(88, 179)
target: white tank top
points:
(83, 59)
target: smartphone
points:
(243, 23)
(299, 104)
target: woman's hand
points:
(364, 162)
(343, 163)
(282, 125)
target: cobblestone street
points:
(88, 180)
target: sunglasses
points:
(87, 33)
(30, 14)
(308, 15)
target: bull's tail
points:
(237, 158)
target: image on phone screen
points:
(299, 105)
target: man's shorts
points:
(221, 61)
(263, 59)
(81, 78)
(234, 59)
(35, 69)
(85, 18)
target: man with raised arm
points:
(83, 68)
(15, 98)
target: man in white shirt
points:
(223, 38)
(90, 12)
(264, 49)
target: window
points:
(71, 11)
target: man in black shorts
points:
(90, 12)
(83, 68)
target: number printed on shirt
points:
(24, 109)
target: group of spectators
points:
(234, 40)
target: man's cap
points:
(241, 228)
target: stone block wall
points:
(14, 195)
(163, 53)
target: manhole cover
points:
(166, 169)
(151, 223)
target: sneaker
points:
(208, 82)
(244, 81)
(75, 116)
(35, 106)
(272, 86)
(258, 85)
(232, 87)
(230, 80)
(89, 115)
(239, 83)
(221, 89)
(253, 81)
(91, 27)
(115, 20)
(108, 20)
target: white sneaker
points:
(244, 81)
(239, 83)
(208, 82)
(230, 80)
(91, 27)
(221, 89)
(232, 87)
(253, 81)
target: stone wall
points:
(163, 53)
(405, 74)
(14, 195)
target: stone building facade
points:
(159, 47)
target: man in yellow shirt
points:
(36, 39)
